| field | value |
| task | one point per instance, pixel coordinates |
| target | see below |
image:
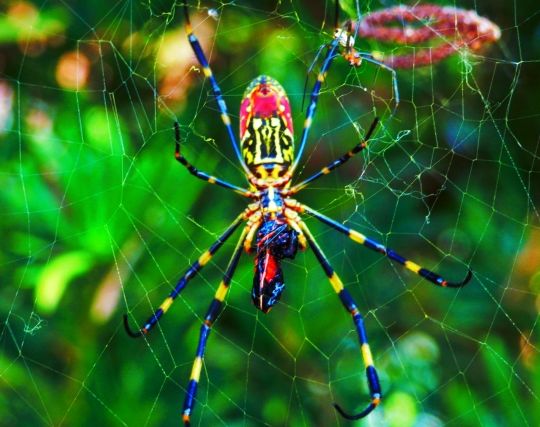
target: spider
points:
(274, 222)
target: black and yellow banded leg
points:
(222, 106)
(358, 237)
(319, 51)
(336, 163)
(202, 175)
(349, 304)
(210, 317)
(184, 280)
(314, 99)
(251, 229)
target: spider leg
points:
(358, 237)
(202, 175)
(319, 50)
(349, 305)
(369, 57)
(213, 311)
(251, 228)
(336, 14)
(336, 163)
(184, 280)
(197, 49)
(314, 99)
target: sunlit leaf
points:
(56, 276)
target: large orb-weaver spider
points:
(274, 219)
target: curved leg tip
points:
(468, 278)
(362, 414)
(128, 329)
(462, 283)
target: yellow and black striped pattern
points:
(211, 315)
(337, 163)
(203, 175)
(358, 237)
(350, 306)
(267, 141)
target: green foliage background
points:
(98, 219)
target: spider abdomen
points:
(268, 284)
(266, 129)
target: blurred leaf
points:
(45, 23)
(275, 410)
(400, 410)
(502, 375)
(350, 8)
(57, 275)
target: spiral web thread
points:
(100, 215)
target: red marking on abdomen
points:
(271, 268)
(264, 100)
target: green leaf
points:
(55, 277)
(400, 410)
(35, 27)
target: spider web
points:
(98, 219)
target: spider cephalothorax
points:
(274, 220)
